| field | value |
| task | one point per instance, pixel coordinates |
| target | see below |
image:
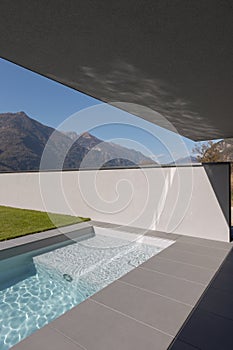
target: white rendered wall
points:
(178, 200)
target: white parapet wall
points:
(179, 200)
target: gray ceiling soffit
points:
(174, 57)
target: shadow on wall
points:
(219, 175)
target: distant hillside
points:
(23, 140)
(109, 153)
(185, 160)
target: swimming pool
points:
(38, 286)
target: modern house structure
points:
(170, 64)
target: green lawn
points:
(16, 222)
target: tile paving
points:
(179, 299)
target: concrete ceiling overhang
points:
(174, 57)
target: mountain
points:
(109, 153)
(185, 160)
(23, 141)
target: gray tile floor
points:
(144, 309)
(210, 325)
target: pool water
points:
(42, 287)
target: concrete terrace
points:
(175, 300)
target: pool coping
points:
(34, 237)
(147, 306)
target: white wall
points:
(179, 200)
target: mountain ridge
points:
(24, 139)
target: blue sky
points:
(52, 103)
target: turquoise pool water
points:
(36, 289)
